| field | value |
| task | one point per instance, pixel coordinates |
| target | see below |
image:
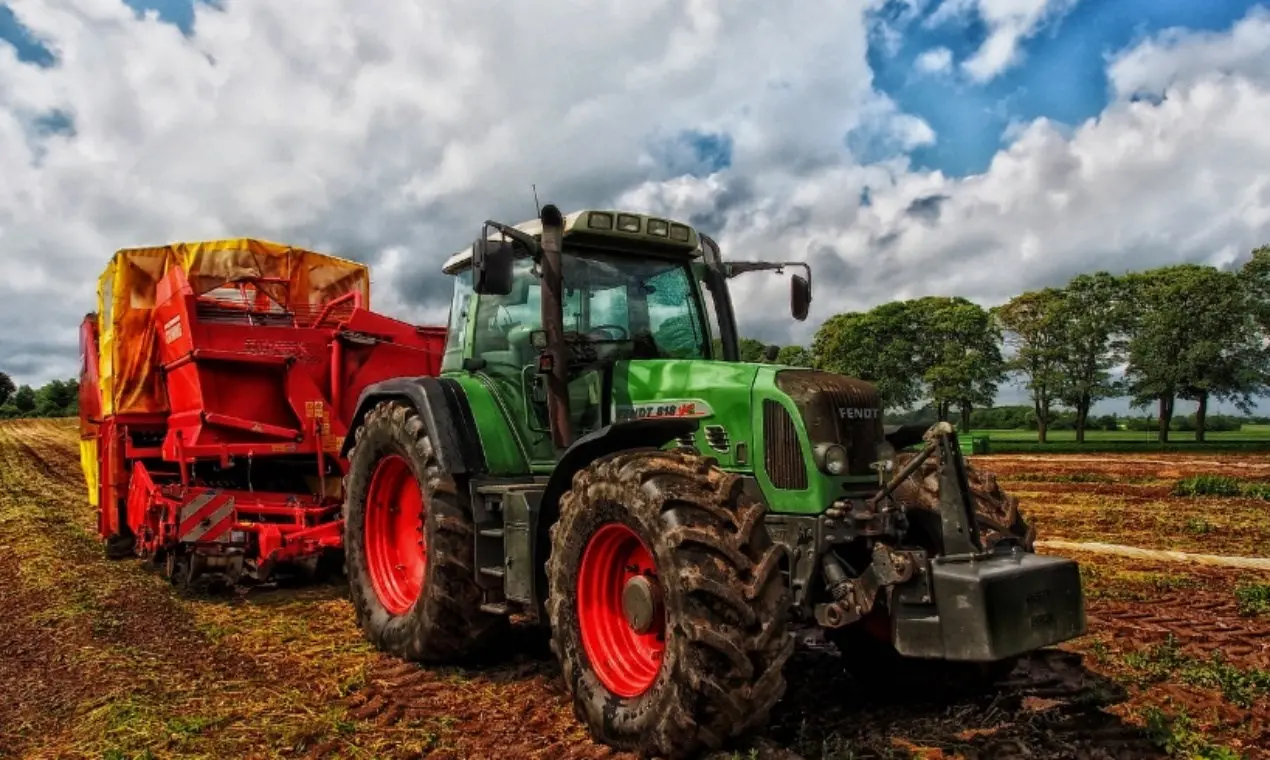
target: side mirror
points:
(799, 297)
(492, 266)
(770, 352)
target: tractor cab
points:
(632, 288)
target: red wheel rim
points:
(625, 659)
(396, 551)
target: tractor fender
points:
(610, 439)
(444, 408)
(619, 436)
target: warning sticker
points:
(682, 408)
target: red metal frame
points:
(254, 388)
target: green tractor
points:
(595, 458)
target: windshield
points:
(640, 308)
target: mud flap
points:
(988, 608)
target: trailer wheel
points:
(667, 604)
(408, 543)
(120, 546)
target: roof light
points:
(600, 221)
(627, 223)
(658, 227)
(679, 233)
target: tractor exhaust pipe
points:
(553, 326)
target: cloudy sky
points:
(904, 147)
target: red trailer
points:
(218, 381)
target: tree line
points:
(1184, 332)
(56, 398)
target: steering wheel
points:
(623, 333)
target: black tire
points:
(873, 660)
(997, 512)
(178, 568)
(120, 546)
(445, 623)
(726, 602)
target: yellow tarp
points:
(88, 461)
(126, 298)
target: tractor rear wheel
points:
(408, 543)
(667, 604)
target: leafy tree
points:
(1225, 360)
(881, 345)
(6, 388)
(1159, 332)
(1255, 276)
(794, 356)
(24, 400)
(961, 357)
(57, 398)
(1003, 418)
(942, 349)
(751, 350)
(1092, 317)
(1194, 334)
(1033, 326)
(1106, 422)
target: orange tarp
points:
(126, 293)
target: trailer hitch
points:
(956, 501)
(855, 595)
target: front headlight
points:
(832, 458)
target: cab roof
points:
(604, 225)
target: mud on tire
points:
(869, 655)
(725, 602)
(445, 622)
(997, 512)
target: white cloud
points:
(1143, 184)
(363, 126)
(886, 28)
(389, 132)
(1179, 55)
(934, 61)
(1008, 22)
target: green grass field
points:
(1251, 437)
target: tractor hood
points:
(773, 420)
(716, 393)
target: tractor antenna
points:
(537, 206)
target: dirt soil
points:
(1127, 499)
(106, 660)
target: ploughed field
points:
(106, 660)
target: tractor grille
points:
(717, 438)
(783, 455)
(837, 409)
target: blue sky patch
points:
(30, 50)
(1061, 74)
(694, 152)
(55, 122)
(179, 13)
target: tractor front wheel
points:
(408, 543)
(667, 604)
